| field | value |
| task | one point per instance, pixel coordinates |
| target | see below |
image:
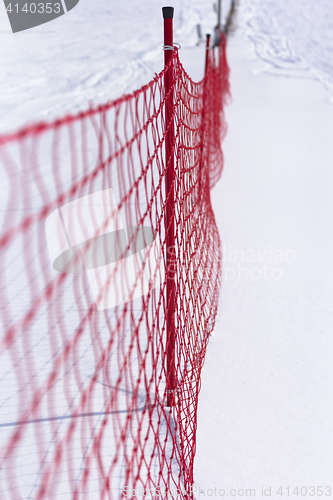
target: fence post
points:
(219, 13)
(170, 206)
(207, 51)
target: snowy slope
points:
(265, 415)
(102, 49)
(97, 52)
(297, 34)
(265, 408)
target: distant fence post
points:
(219, 13)
(170, 206)
(207, 51)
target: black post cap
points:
(167, 12)
(208, 35)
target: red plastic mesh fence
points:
(83, 268)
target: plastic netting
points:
(85, 364)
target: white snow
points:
(96, 52)
(303, 26)
(265, 408)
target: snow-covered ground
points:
(291, 35)
(102, 49)
(96, 52)
(265, 408)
